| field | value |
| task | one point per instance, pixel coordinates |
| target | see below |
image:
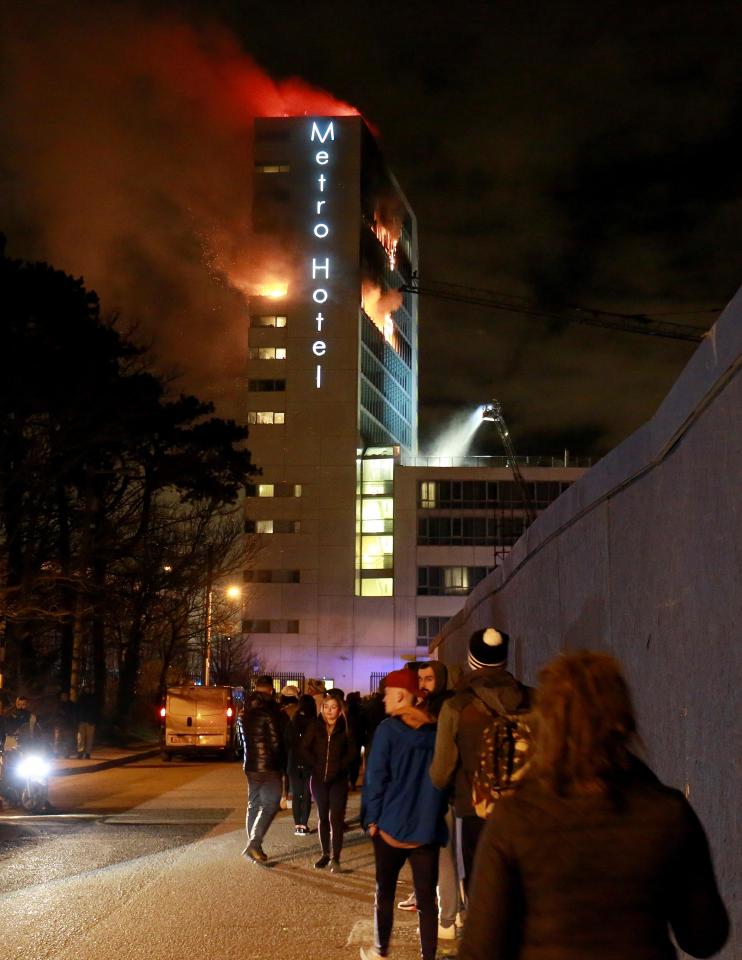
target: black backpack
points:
(503, 757)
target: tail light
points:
(163, 712)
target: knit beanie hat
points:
(404, 679)
(488, 648)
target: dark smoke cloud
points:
(126, 159)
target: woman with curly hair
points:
(592, 857)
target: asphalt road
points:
(143, 862)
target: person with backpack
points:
(591, 858)
(482, 739)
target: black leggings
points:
(301, 798)
(424, 863)
(331, 799)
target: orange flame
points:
(380, 306)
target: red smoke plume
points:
(128, 143)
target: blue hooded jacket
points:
(398, 794)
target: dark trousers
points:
(424, 864)
(331, 799)
(471, 827)
(301, 798)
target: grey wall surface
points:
(642, 557)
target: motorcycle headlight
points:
(33, 768)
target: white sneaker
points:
(446, 933)
(370, 953)
(409, 903)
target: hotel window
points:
(429, 627)
(272, 576)
(272, 168)
(375, 522)
(266, 386)
(449, 581)
(274, 417)
(428, 494)
(279, 490)
(272, 526)
(267, 353)
(268, 320)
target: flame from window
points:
(388, 242)
(380, 306)
(387, 226)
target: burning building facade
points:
(332, 372)
(348, 580)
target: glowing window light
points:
(266, 490)
(378, 508)
(273, 291)
(377, 587)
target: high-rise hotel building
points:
(332, 372)
(364, 548)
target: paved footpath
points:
(197, 899)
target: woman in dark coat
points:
(327, 749)
(305, 713)
(592, 858)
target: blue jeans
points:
(263, 801)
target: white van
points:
(200, 719)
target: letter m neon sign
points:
(329, 132)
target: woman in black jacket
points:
(327, 749)
(304, 715)
(592, 857)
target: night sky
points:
(570, 153)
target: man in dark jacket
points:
(487, 691)
(403, 812)
(260, 729)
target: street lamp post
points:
(232, 592)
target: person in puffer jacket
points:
(260, 729)
(403, 812)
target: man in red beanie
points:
(403, 812)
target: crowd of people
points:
(532, 828)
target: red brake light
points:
(163, 711)
(230, 711)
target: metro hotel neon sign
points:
(321, 231)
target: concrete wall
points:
(642, 557)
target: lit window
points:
(377, 587)
(272, 168)
(267, 353)
(428, 494)
(279, 490)
(377, 553)
(266, 416)
(277, 526)
(377, 515)
(268, 320)
(456, 579)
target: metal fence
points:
(376, 679)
